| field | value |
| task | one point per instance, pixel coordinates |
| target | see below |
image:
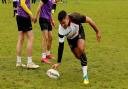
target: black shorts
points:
(24, 24)
(54, 6)
(73, 42)
(45, 24)
(15, 4)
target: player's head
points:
(63, 19)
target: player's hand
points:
(53, 23)
(55, 66)
(98, 36)
(35, 19)
(32, 18)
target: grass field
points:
(107, 61)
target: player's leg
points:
(19, 48)
(49, 55)
(49, 40)
(44, 46)
(20, 41)
(34, 1)
(30, 38)
(44, 43)
(14, 8)
(44, 28)
(79, 52)
(2, 1)
(5, 1)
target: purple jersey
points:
(21, 11)
(46, 10)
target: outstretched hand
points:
(55, 66)
(98, 36)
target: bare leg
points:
(49, 40)
(80, 54)
(44, 41)
(20, 43)
(30, 38)
(79, 49)
(19, 49)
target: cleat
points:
(32, 66)
(50, 56)
(46, 60)
(86, 81)
(20, 65)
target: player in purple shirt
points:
(23, 19)
(46, 22)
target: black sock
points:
(83, 59)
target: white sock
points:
(48, 53)
(29, 60)
(43, 55)
(18, 59)
(84, 68)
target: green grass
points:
(107, 61)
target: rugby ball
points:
(52, 73)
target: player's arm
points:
(93, 25)
(41, 3)
(60, 48)
(24, 6)
(52, 22)
(60, 51)
(38, 9)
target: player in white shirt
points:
(71, 28)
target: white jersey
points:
(70, 32)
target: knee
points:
(45, 38)
(32, 38)
(81, 47)
(21, 39)
(50, 38)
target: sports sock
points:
(18, 59)
(48, 53)
(84, 68)
(83, 60)
(44, 55)
(29, 60)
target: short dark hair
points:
(62, 14)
